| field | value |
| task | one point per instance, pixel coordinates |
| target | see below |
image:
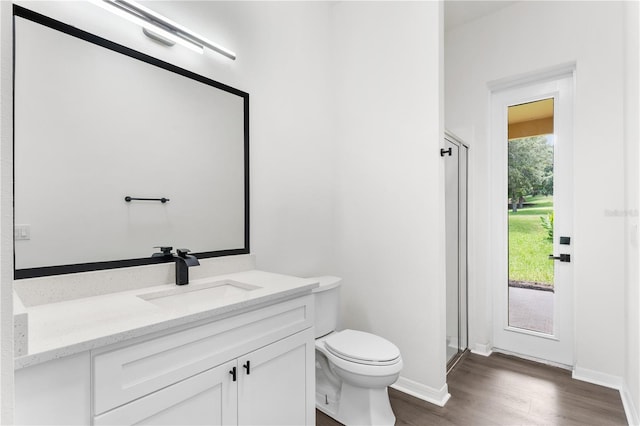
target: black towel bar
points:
(129, 199)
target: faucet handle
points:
(183, 252)
(165, 251)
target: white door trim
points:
(539, 76)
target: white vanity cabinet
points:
(57, 392)
(267, 387)
(186, 376)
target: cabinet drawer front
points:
(131, 372)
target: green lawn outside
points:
(529, 247)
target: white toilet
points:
(353, 368)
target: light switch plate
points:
(22, 232)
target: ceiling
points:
(531, 111)
(460, 12)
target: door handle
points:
(247, 366)
(233, 373)
(562, 258)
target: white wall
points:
(631, 394)
(525, 37)
(292, 147)
(6, 215)
(390, 181)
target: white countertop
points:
(68, 327)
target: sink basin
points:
(196, 296)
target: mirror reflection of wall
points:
(93, 125)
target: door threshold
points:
(534, 359)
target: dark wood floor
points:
(504, 390)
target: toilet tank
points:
(327, 304)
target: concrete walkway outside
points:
(531, 309)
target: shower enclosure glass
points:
(455, 157)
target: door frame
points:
(559, 347)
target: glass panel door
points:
(530, 205)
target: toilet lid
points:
(361, 347)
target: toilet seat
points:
(362, 348)
(385, 369)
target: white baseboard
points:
(613, 382)
(480, 349)
(597, 378)
(438, 397)
(630, 408)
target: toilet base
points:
(360, 406)
(327, 406)
(327, 396)
(357, 406)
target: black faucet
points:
(183, 262)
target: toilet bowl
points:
(353, 368)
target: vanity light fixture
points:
(161, 28)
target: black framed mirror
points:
(96, 122)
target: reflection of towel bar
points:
(162, 200)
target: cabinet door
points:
(209, 398)
(279, 386)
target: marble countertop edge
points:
(53, 352)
